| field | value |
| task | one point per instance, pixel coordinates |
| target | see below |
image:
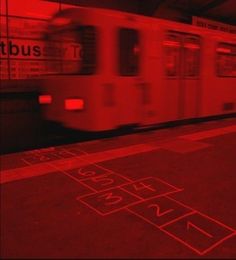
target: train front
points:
(70, 48)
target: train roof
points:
(75, 14)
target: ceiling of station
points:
(178, 10)
(219, 10)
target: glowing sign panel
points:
(26, 54)
(213, 25)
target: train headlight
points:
(74, 104)
(45, 99)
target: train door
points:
(190, 85)
(127, 87)
(182, 61)
(172, 66)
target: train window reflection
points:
(192, 57)
(182, 55)
(128, 52)
(172, 55)
(172, 60)
(73, 51)
(226, 60)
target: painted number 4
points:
(142, 186)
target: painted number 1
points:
(191, 225)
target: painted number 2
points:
(158, 211)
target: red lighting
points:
(45, 99)
(223, 50)
(136, 50)
(171, 43)
(191, 46)
(74, 104)
(60, 21)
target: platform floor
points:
(167, 193)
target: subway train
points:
(110, 69)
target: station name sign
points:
(25, 54)
(37, 49)
(213, 25)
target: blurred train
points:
(117, 69)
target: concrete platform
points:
(166, 193)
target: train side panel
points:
(218, 92)
(148, 71)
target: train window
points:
(191, 57)
(226, 60)
(172, 55)
(128, 52)
(72, 51)
(182, 55)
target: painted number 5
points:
(86, 173)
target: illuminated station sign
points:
(24, 52)
(213, 25)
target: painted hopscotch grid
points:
(96, 177)
(105, 200)
(199, 232)
(160, 211)
(87, 172)
(175, 219)
(193, 229)
(51, 154)
(150, 187)
(110, 200)
(148, 199)
(104, 182)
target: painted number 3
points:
(111, 199)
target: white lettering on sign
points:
(37, 49)
(213, 25)
(25, 54)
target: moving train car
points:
(115, 69)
